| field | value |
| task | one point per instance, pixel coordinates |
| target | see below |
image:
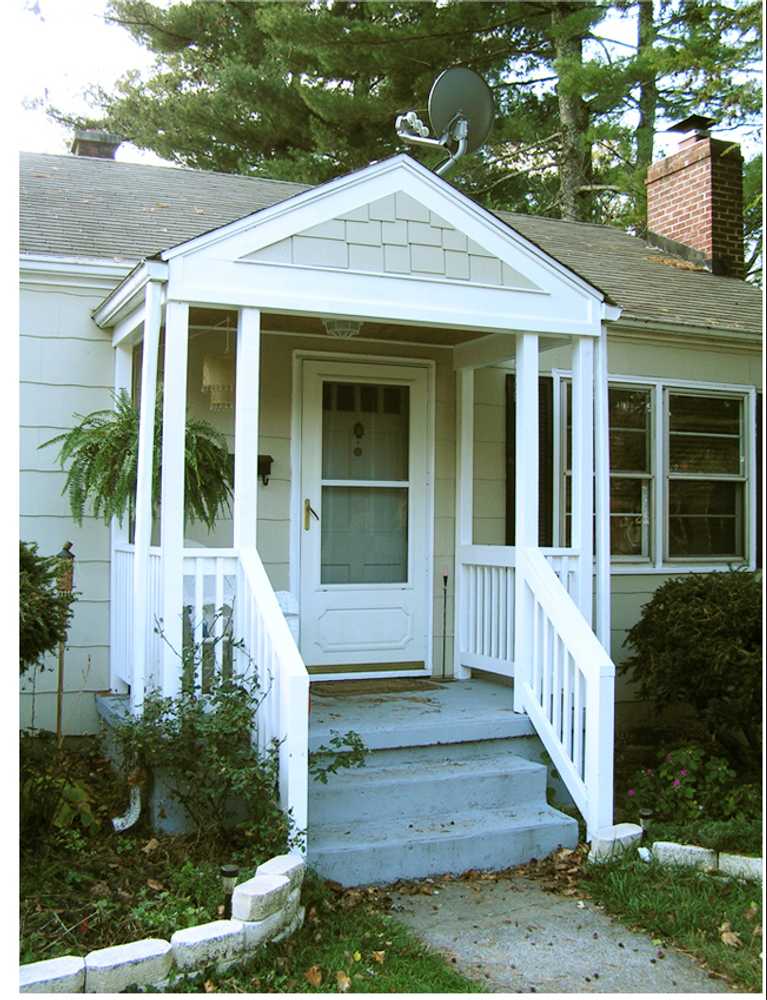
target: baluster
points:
(567, 707)
(487, 585)
(557, 658)
(577, 722)
(502, 588)
(510, 613)
(546, 669)
(218, 619)
(197, 621)
(475, 609)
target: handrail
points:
(564, 680)
(284, 712)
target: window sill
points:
(671, 569)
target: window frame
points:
(658, 560)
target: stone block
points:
(740, 866)
(289, 865)
(55, 975)
(612, 841)
(669, 853)
(218, 941)
(293, 926)
(258, 932)
(111, 970)
(260, 896)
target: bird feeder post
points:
(64, 583)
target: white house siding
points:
(65, 368)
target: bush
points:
(52, 798)
(202, 744)
(44, 611)
(699, 641)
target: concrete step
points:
(431, 786)
(362, 853)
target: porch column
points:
(246, 429)
(143, 514)
(602, 470)
(583, 470)
(172, 512)
(525, 499)
(464, 506)
(123, 376)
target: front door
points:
(364, 517)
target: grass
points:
(347, 944)
(735, 836)
(694, 911)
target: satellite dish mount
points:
(460, 113)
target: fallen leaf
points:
(220, 910)
(357, 956)
(311, 916)
(343, 981)
(153, 884)
(751, 912)
(378, 956)
(729, 937)
(313, 975)
(151, 845)
(209, 986)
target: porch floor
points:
(415, 713)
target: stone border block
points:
(217, 941)
(612, 841)
(258, 932)
(111, 970)
(259, 897)
(669, 853)
(293, 926)
(741, 866)
(54, 975)
(289, 865)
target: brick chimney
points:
(695, 197)
(92, 142)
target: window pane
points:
(626, 536)
(705, 519)
(629, 429)
(629, 451)
(629, 408)
(364, 535)
(365, 431)
(626, 496)
(704, 454)
(704, 414)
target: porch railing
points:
(121, 613)
(564, 681)
(485, 617)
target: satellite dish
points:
(460, 93)
(461, 114)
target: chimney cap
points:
(693, 123)
(95, 142)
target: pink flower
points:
(677, 783)
(632, 791)
(683, 772)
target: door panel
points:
(363, 540)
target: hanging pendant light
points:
(218, 377)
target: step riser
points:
(424, 795)
(366, 864)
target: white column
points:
(123, 377)
(172, 511)
(602, 471)
(464, 506)
(246, 429)
(583, 470)
(143, 514)
(525, 500)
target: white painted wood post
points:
(602, 497)
(144, 499)
(464, 507)
(123, 377)
(583, 470)
(526, 502)
(598, 769)
(245, 510)
(172, 510)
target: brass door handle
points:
(309, 513)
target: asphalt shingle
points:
(83, 206)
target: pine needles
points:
(102, 454)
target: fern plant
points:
(102, 454)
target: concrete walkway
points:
(514, 937)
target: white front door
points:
(364, 516)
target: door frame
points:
(296, 510)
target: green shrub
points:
(699, 642)
(203, 745)
(44, 611)
(52, 799)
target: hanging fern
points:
(102, 454)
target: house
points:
(491, 437)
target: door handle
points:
(309, 513)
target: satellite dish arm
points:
(460, 132)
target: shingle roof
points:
(83, 206)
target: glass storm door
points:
(363, 516)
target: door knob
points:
(309, 513)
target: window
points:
(706, 476)
(687, 465)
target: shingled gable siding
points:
(65, 368)
(394, 235)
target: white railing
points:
(153, 662)
(485, 618)
(210, 590)
(566, 565)
(564, 681)
(121, 613)
(269, 648)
